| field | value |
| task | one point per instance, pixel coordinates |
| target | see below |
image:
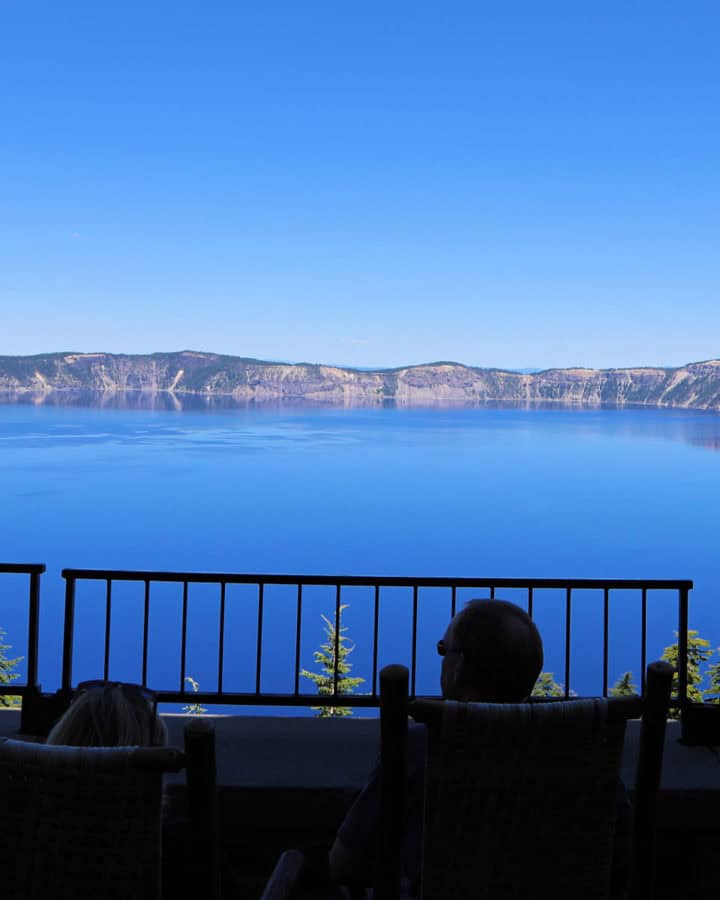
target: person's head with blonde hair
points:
(110, 714)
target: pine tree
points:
(546, 686)
(7, 672)
(713, 692)
(624, 686)
(699, 652)
(325, 658)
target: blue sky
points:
(508, 184)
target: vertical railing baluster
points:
(258, 652)
(31, 696)
(453, 602)
(146, 623)
(643, 645)
(108, 613)
(221, 637)
(606, 623)
(530, 601)
(568, 599)
(33, 630)
(492, 591)
(68, 633)
(413, 669)
(183, 650)
(376, 624)
(683, 596)
(298, 636)
(338, 626)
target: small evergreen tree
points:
(624, 686)
(325, 659)
(193, 709)
(7, 672)
(699, 652)
(546, 686)
(713, 692)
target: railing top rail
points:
(372, 580)
(22, 568)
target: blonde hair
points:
(109, 715)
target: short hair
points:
(502, 650)
(108, 715)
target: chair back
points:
(80, 822)
(521, 800)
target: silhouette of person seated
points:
(120, 714)
(491, 652)
(110, 714)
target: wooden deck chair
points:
(82, 822)
(522, 799)
(215, 876)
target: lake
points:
(491, 491)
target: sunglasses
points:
(128, 688)
(443, 649)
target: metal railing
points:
(30, 685)
(297, 698)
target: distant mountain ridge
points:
(695, 386)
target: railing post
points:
(647, 779)
(68, 633)
(31, 698)
(33, 630)
(683, 648)
(393, 779)
(203, 806)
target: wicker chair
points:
(81, 822)
(521, 799)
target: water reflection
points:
(157, 401)
(707, 442)
(698, 428)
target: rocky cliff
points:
(696, 385)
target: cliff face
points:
(206, 374)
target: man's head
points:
(492, 652)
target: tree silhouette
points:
(624, 686)
(699, 652)
(546, 686)
(7, 672)
(713, 692)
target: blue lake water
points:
(504, 492)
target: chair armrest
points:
(284, 878)
(425, 710)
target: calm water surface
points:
(464, 492)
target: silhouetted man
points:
(491, 652)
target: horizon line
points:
(522, 370)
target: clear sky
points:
(378, 183)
